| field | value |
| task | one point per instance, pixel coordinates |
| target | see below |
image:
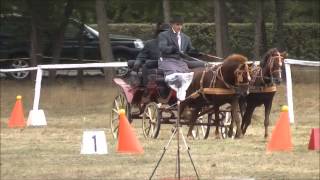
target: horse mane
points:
(236, 57)
(267, 56)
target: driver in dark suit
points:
(173, 45)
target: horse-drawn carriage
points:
(155, 103)
(212, 99)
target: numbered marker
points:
(94, 142)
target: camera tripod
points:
(176, 132)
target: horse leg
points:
(194, 116)
(235, 117)
(242, 105)
(246, 120)
(267, 110)
(217, 122)
(230, 131)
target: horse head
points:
(240, 77)
(271, 65)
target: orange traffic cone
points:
(314, 142)
(281, 136)
(127, 140)
(17, 118)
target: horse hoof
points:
(238, 136)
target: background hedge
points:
(302, 39)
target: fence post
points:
(37, 89)
(289, 92)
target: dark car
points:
(15, 45)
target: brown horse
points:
(262, 87)
(217, 85)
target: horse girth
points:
(262, 89)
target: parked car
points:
(15, 45)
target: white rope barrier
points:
(18, 69)
(289, 62)
(301, 62)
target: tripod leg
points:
(188, 150)
(164, 151)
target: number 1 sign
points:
(94, 142)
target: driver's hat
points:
(176, 19)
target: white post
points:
(37, 89)
(36, 115)
(289, 92)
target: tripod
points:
(177, 131)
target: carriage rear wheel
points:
(202, 131)
(151, 121)
(120, 102)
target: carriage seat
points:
(153, 73)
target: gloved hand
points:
(175, 50)
(193, 52)
(136, 66)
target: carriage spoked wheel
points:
(151, 120)
(120, 102)
(202, 131)
(225, 122)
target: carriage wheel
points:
(202, 131)
(151, 121)
(120, 102)
(225, 121)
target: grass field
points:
(53, 152)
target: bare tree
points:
(59, 40)
(260, 31)
(104, 41)
(166, 10)
(278, 37)
(35, 50)
(35, 39)
(221, 26)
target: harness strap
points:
(200, 91)
(218, 91)
(263, 89)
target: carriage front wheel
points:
(225, 125)
(151, 121)
(120, 102)
(202, 131)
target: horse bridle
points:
(270, 65)
(243, 69)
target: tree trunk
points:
(35, 43)
(260, 31)
(81, 53)
(57, 47)
(81, 42)
(166, 10)
(104, 41)
(221, 26)
(278, 37)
